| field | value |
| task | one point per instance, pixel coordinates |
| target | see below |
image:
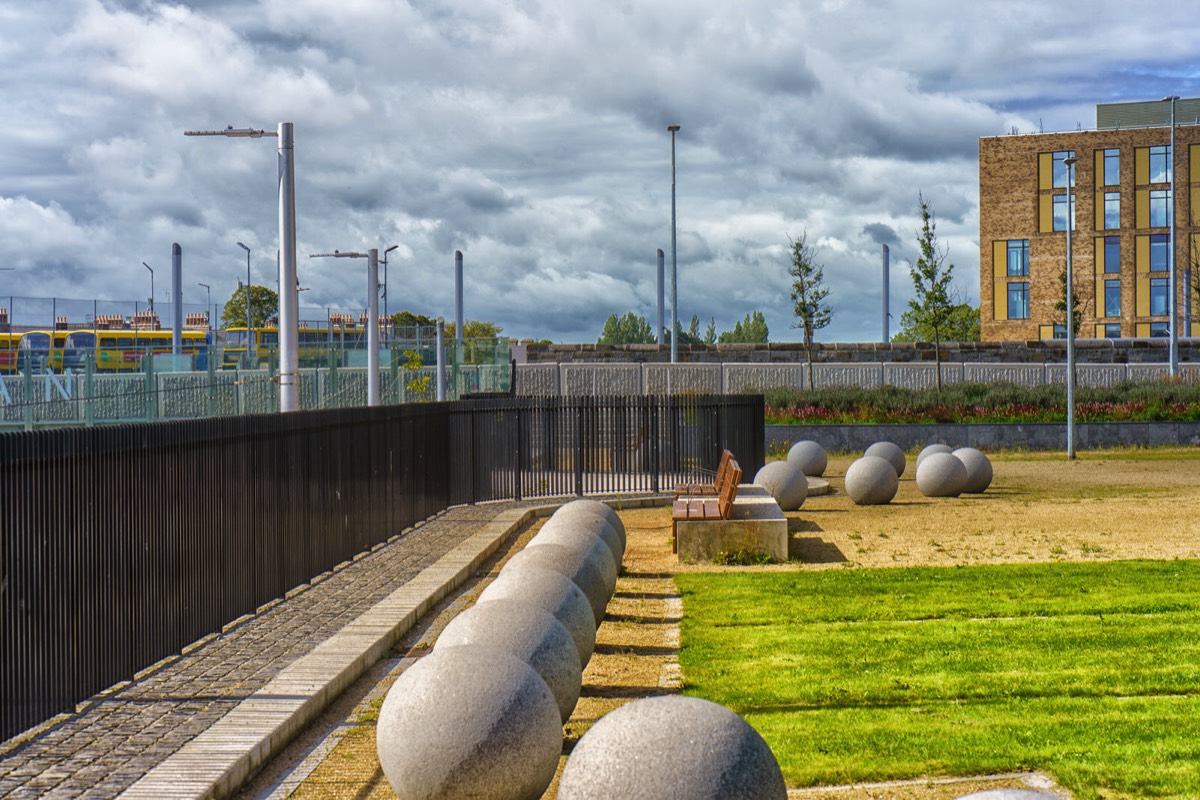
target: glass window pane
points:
(1018, 300)
(1112, 210)
(1160, 164)
(1159, 330)
(1060, 169)
(1158, 252)
(1018, 257)
(1112, 298)
(1112, 167)
(1112, 254)
(1112, 331)
(1158, 296)
(1160, 200)
(1060, 211)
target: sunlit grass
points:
(1089, 671)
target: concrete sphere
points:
(554, 592)
(469, 721)
(890, 453)
(1008, 794)
(587, 546)
(531, 634)
(979, 469)
(872, 481)
(584, 524)
(584, 573)
(786, 483)
(929, 450)
(941, 475)
(671, 746)
(810, 457)
(602, 509)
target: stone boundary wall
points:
(613, 379)
(1087, 351)
(987, 436)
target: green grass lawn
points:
(1088, 671)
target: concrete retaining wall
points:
(986, 436)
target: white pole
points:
(373, 327)
(289, 302)
(1070, 318)
(1173, 305)
(674, 261)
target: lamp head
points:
(672, 128)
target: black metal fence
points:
(120, 546)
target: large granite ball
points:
(469, 721)
(941, 475)
(598, 508)
(554, 592)
(872, 481)
(586, 574)
(979, 469)
(575, 530)
(810, 457)
(786, 483)
(671, 746)
(587, 546)
(929, 450)
(531, 634)
(890, 453)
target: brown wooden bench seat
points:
(693, 489)
(707, 508)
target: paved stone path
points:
(114, 741)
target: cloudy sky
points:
(531, 135)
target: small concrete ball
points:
(786, 483)
(531, 634)
(810, 457)
(565, 561)
(586, 545)
(584, 524)
(603, 509)
(941, 475)
(979, 469)
(554, 592)
(469, 721)
(872, 481)
(930, 450)
(1008, 794)
(671, 746)
(890, 453)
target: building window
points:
(1160, 164)
(1060, 169)
(1112, 254)
(1018, 258)
(1112, 210)
(1159, 261)
(1018, 300)
(1112, 330)
(1060, 330)
(1159, 330)
(1112, 298)
(1158, 297)
(1061, 201)
(1160, 207)
(1112, 167)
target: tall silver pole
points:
(1173, 304)
(441, 359)
(373, 327)
(458, 318)
(176, 298)
(661, 292)
(289, 301)
(886, 289)
(249, 336)
(1070, 317)
(674, 262)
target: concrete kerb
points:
(216, 763)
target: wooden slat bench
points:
(694, 489)
(707, 508)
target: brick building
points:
(1122, 201)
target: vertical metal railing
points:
(120, 545)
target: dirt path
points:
(1121, 505)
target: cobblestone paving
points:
(116, 739)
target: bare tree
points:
(933, 306)
(808, 293)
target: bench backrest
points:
(726, 457)
(727, 491)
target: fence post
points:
(579, 447)
(518, 451)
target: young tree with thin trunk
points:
(808, 294)
(933, 306)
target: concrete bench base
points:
(756, 523)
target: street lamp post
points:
(147, 266)
(1069, 162)
(249, 332)
(1173, 304)
(674, 264)
(386, 317)
(289, 334)
(207, 303)
(372, 257)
